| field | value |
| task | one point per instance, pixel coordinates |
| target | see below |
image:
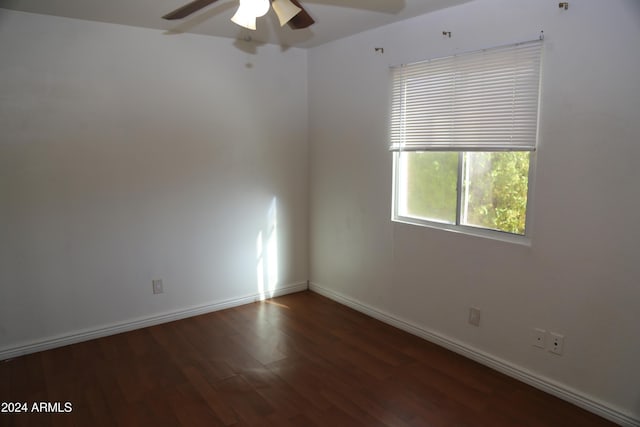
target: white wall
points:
(580, 275)
(128, 155)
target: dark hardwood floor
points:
(298, 360)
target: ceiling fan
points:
(288, 11)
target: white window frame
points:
(399, 145)
(522, 239)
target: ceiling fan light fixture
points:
(244, 16)
(258, 7)
(285, 10)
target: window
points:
(463, 137)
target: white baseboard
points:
(545, 384)
(141, 322)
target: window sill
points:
(469, 231)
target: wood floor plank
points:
(297, 360)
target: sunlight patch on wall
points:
(267, 254)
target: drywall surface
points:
(128, 155)
(579, 276)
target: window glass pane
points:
(494, 190)
(427, 185)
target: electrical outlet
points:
(157, 286)
(474, 316)
(556, 343)
(539, 338)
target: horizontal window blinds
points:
(480, 101)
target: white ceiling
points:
(335, 19)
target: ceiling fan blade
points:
(188, 9)
(302, 19)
